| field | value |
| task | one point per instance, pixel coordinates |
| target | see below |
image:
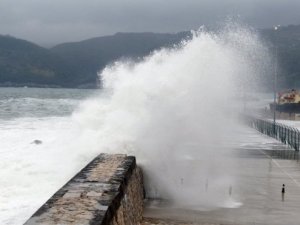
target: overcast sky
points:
(49, 22)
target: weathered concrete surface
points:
(107, 191)
(152, 221)
(260, 175)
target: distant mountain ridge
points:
(75, 65)
(92, 55)
(24, 62)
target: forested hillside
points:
(24, 63)
(76, 64)
(72, 64)
(90, 56)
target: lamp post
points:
(275, 77)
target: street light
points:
(275, 75)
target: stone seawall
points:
(109, 190)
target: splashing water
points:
(174, 112)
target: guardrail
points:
(286, 134)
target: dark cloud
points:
(54, 21)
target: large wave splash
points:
(174, 111)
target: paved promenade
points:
(264, 165)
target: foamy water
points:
(31, 173)
(173, 110)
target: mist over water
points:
(175, 111)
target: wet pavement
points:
(264, 165)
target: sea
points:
(36, 152)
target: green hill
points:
(75, 65)
(24, 63)
(92, 55)
(72, 64)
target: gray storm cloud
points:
(55, 21)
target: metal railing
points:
(286, 134)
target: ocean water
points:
(30, 173)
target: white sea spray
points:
(174, 111)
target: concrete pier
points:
(109, 190)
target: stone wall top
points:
(92, 196)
